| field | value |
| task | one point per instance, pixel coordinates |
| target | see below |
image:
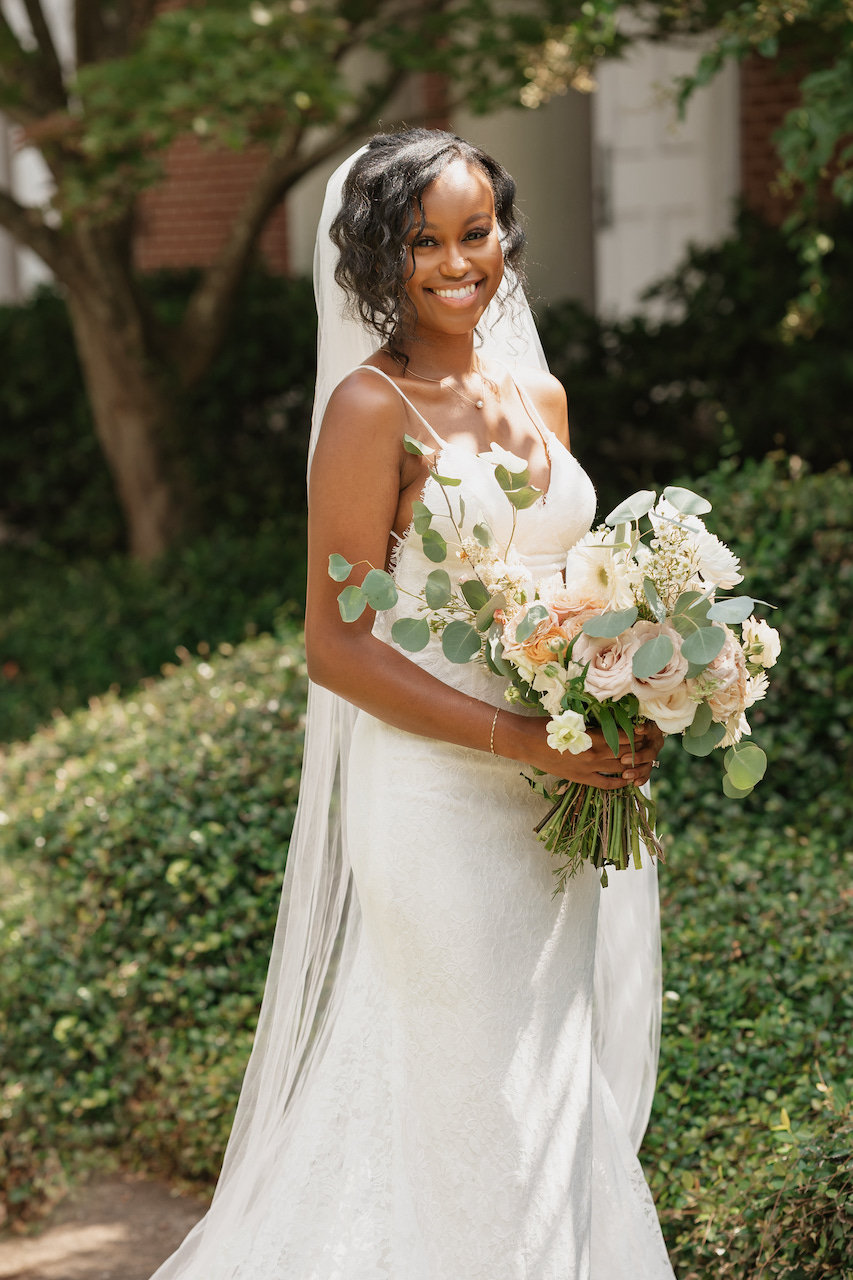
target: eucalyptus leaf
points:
(437, 588)
(435, 547)
(745, 764)
(521, 499)
(503, 477)
(611, 624)
(380, 590)
(475, 593)
(461, 512)
(735, 609)
(520, 478)
(686, 601)
(487, 613)
(460, 642)
(421, 517)
(339, 568)
(695, 669)
(535, 614)
(704, 645)
(702, 720)
(650, 592)
(686, 501)
(352, 603)
(484, 535)
(733, 792)
(414, 446)
(449, 482)
(495, 654)
(411, 634)
(652, 657)
(705, 745)
(639, 504)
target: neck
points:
(443, 355)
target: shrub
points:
(73, 629)
(143, 848)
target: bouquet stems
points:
(605, 828)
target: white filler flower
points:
(756, 633)
(567, 732)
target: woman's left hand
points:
(637, 770)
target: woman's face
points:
(455, 261)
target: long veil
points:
(319, 920)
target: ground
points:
(115, 1228)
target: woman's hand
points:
(524, 738)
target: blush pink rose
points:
(609, 674)
(672, 675)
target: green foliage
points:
(243, 429)
(650, 400)
(71, 629)
(142, 846)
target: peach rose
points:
(609, 674)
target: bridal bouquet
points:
(635, 630)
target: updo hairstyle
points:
(382, 203)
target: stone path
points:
(116, 1228)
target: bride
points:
(453, 1069)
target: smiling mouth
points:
(463, 291)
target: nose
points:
(456, 262)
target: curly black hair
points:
(381, 196)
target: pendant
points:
(479, 404)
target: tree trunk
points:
(133, 411)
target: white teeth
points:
(465, 292)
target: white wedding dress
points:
(459, 1125)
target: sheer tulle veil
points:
(319, 919)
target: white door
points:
(659, 183)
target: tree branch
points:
(51, 71)
(205, 320)
(27, 227)
(29, 75)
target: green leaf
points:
(702, 720)
(380, 590)
(487, 613)
(735, 609)
(652, 657)
(414, 446)
(503, 478)
(639, 504)
(625, 723)
(421, 517)
(521, 499)
(339, 568)
(437, 588)
(449, 482)
(535, 614)
(520, 478)
(461, 512)
(609, 729)
(687, 600)
(686, 501)
(611, 624)
(695, 669)
(704, 645)
(745, 764)
(705, 745)
(411, 634)
(352, 602)
(475, 593)
(650, 592)
(733, 792)
(484, 535)
(435, 547)
(494, 655)
(460, 641)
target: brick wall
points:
(184, 222)
(767, 94)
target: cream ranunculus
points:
(551, 681)
(567, 732)
(672, 712)
(609, 673)
(756, 633)
(672, 675)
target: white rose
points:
(503, 458)
(672, 712)
(609, 673)
(550, 681)
(566, 732)
(757, 633)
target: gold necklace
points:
(478, 404)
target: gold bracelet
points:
(492, 735)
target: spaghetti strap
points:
(532, 412)
(416, 412)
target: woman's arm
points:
(358, 475)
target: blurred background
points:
(161, 175)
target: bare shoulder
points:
(365, 414)
(549, 396)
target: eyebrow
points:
(475, 217)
